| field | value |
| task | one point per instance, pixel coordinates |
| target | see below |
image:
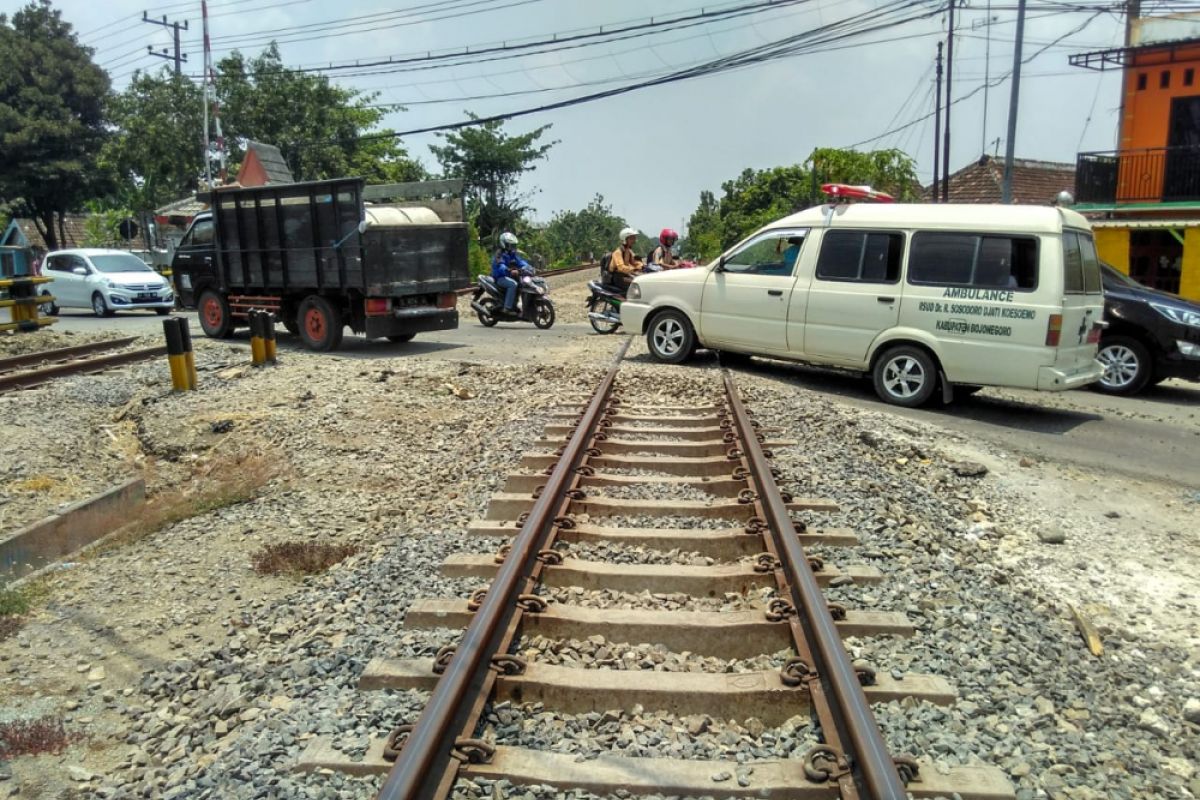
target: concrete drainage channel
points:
(38, 547)
(576, 502)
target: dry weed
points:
(299, 558)
(32, 737)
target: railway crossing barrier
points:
(25, 303)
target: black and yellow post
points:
(185, 333)
(25, 303)
(258, 348)
(269, 336)
(175, 354)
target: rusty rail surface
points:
(62, 353)
(428, 760)
(36, 377)
(855, 753)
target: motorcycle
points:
(532, 303)
(604, 307)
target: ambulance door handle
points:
(886, 299)
(775, 292)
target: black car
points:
(1151, 336)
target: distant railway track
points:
(594, 466)
(33, 369)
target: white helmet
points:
(508, 240)
(627, 232)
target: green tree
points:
(157, 152)
(51, 117)
(757, 197)
(322, 129)
(490, 162)
(575, 236)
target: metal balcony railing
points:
(1152, 175)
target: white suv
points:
(105, 281)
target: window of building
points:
(1189, 75)
(1164, 79)
(864, 256)
(1141, 81)
(977, 260)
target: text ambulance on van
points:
(916, 295)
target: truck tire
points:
(321, 324)
(215, 319)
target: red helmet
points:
(667, 237)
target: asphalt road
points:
(1153, 436)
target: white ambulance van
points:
(921, 297)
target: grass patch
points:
(33, 737)
(14, 602)
(38, 483)
(299, 558)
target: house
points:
(1034, 182)
(22, 232)
(263, 165)
(1144, 197)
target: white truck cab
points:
(916, 295)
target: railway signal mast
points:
(211, 104)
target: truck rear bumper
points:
(412, 320)
(1056, 379)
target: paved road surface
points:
(1155, 435)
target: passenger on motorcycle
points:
(506, 269)
(624, 263)
(661, 257)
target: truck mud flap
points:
(412, 320)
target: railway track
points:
(581, 495)
(33, 369)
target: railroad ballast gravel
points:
(230, 722)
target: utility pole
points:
(987, 76)
(937, 124)
(1011, 145)
(178, 58)
(949, 100)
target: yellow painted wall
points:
(1189, 277)
(1112, 245)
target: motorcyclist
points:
(661, 257)
(507, 267)
(624, 264)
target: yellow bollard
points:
(175, 354)
(188, 358)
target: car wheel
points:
(99, 307)
(49, 309)
(1126, 364)
(400, 338)
(670, 337)
(215, 318)
(543, 315)
(904, 376)
(321, 324)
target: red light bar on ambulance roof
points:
(844, 191)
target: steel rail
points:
(26, 380)
(63, 353)
(870, 756)
(426, 761)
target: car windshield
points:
(119, 262)
(1116, 276)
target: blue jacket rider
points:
(506, 267)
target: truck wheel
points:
(670, 337)
(543, 314)
(905, 376)
(215, 318)
(1126, 365)
(321, 324)
(401, 337)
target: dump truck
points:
(322, 255)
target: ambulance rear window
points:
(1081, 267)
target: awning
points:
(1154, 224)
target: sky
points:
(651, 152)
